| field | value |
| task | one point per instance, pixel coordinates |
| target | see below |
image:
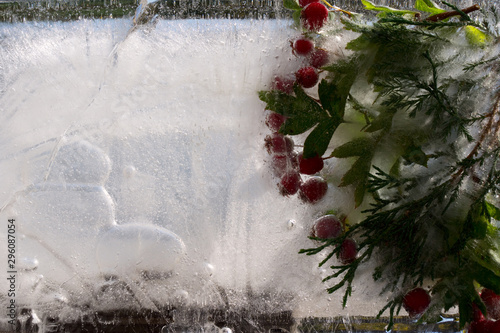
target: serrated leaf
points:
(298, 124)
(428, 6)
(318, 140)
(475, 36)
(356, 147)
(487, 278)
(289, 105)
(493, 211)
(385, 9)
(291, 4)
(358, 171)
(359, 193)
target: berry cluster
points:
(286, 164)
(330, 227)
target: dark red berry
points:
(303, 46)
(319, 58)
(416, 301)
(303, 3)
(485, 326)
(274, 121)
(492, 302)
(307, 77)
(275, 144)
(313, 189)
(284, 84)
(314, 16)
(328, 226)
(309, 166)
(348, 251)
(290, 183)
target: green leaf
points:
(358, 172)
(359, 193)
(475, 36)
(291, 4)
(289, 105)
(318, 140)
(428, 6)
(298, 124)
(385, 9)
(487, 278)
(356, 147)
(492, 210)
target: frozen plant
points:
(413, 102)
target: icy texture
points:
(134, 168)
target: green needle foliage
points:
(424, 85)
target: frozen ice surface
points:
(136, 176)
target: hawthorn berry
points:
(290, 183)
(348, 251)
(274, 121)
(319, 58)
(307, 77)
(416, 301)
(314, 16)
(313, 189)
(283, 84)
(275, 144)
(485, 326)
(327, 226)
(303, 46)
(309, 166)
(303, 3)
(492, 302)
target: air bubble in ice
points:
(139, 248)
(27, 264)
(79, 162)
(291, 224)
(226, 330)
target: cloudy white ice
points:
(146, 166)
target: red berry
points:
(492, 302)
(314, 16)
(284, 84)
(348, 251)
(290, 183)
(319, 58)
(416, 301)
(303, 3)
(313, 189)
(274, 121)
(309, 166)
(485, 326)
(275, 144)
(303, 46)
(307, 77)
(328, 226)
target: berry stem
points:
(337, 8)
(445, 15)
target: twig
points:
(445, 15)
